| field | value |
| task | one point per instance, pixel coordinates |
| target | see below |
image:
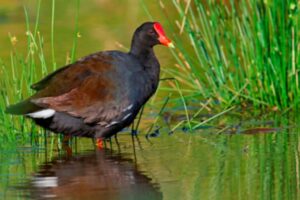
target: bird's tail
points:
(22, 108)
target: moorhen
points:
(100, 94)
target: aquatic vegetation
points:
(237, 52)
(23, 70)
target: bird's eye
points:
(151, 32)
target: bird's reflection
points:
(98, 174)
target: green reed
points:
(238, 53)
(23, 70)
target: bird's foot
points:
(134, 132)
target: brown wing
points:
(44, 82)
(86, 90)
(71, 76)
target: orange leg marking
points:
(99, 143)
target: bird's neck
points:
(143, 52)
(146, 57)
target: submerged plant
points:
(239, 51)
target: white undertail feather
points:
(42, 114)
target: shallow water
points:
(90, 175)
(236, 156)
(252, 159)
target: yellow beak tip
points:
(171, 45)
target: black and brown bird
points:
(100, 94)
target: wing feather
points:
(86, 90)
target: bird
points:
(100, 94)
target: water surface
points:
(253, 159)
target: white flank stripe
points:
(42, 114)
(111, 124)
(126, 116)
(128, 108)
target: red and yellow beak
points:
(162, 36)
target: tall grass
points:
(22, 71)
(14, 82)
(238, 52)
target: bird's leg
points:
(66, 144)
(66, 139)
(139, 142)
(117, 142)
(133, 147)
(76, 149)
(99, 143)
(68, 150)
(133, 131)
(116, 139)
(110, 143)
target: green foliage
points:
(242, 51)
(22, 70)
